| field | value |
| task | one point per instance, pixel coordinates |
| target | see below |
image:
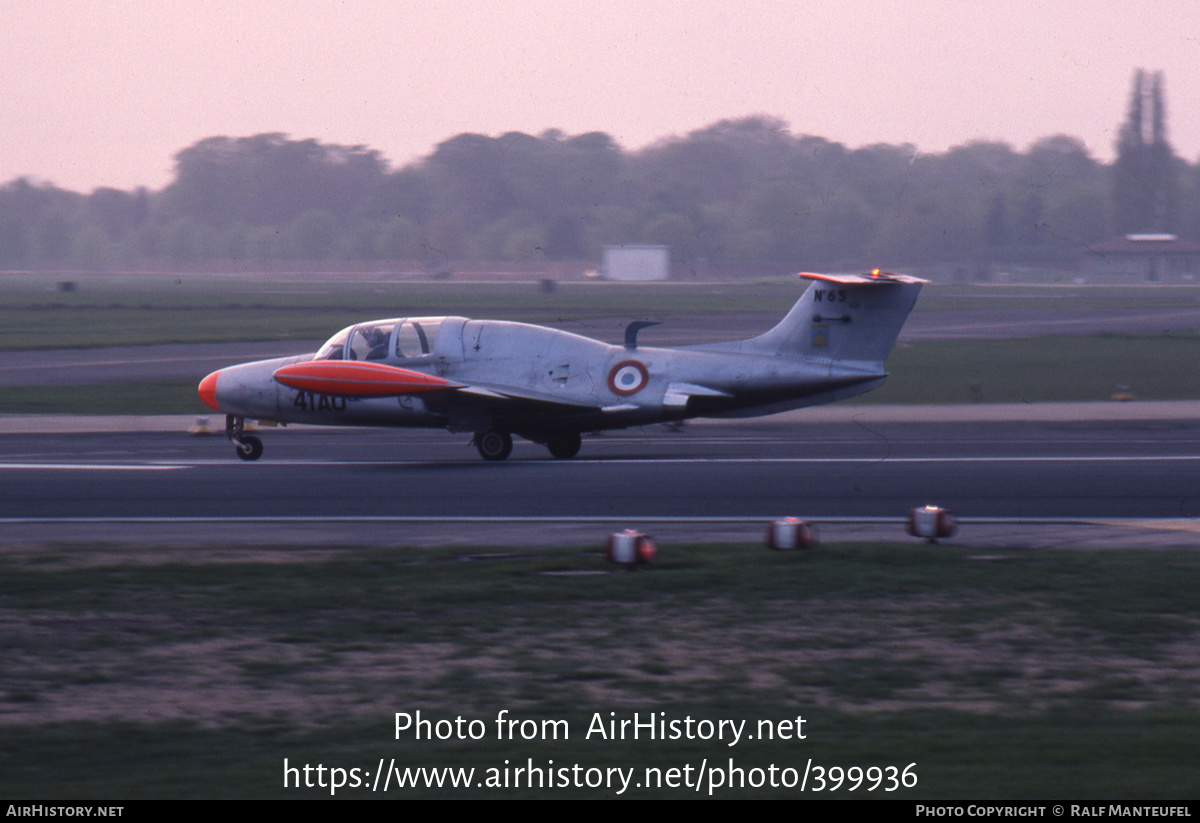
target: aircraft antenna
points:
(631, 331)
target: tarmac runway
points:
(1075, 474)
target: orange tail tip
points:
(349, 379)
(208, 391)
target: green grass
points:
(1042, 369)
(108, 398)
(110, 313)
(112, 310)
(194, 673)
(1004, 371)
(951, 296)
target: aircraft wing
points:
(677, 396)
(510, 393)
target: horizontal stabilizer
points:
(345, 378)
(876, 276)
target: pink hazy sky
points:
(104, 93)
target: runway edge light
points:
(630, 548)
(790, 533)
(931, 522)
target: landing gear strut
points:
(248, 446)
(493, 444)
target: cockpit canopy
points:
(395, 339)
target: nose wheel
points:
(494, 444)
(247, 446)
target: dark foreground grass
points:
(197, 673)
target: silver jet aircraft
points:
(495, 378)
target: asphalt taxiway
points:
(1048, 474)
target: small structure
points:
(636, 262)
(1143, 258)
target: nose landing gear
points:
(248, 446)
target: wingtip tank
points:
(349, 379)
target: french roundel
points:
(627, 378)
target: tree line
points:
(746, 191)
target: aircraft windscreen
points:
(334, 348)
(369, 341)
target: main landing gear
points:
(248, 446)
(564, 446)
(493, 444)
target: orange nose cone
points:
(208, 391)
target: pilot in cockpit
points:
(377, 343)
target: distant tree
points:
(313, 235)
(186, 240)
(1189, 210)
(609, 224)
(995, 229)
(738, 191)
(14, 241)
(91, 249)
(1071, 190)
(269, 180)
(1131, 207)
(1162, 165)
(52, 235)
(117, 212)
(467, 177)
(37, 223)
(395, 239)
(1145, 175)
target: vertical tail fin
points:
(844, 317)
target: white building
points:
(636, 262)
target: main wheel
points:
(250, 447)
(564, 446)
(494, 445)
